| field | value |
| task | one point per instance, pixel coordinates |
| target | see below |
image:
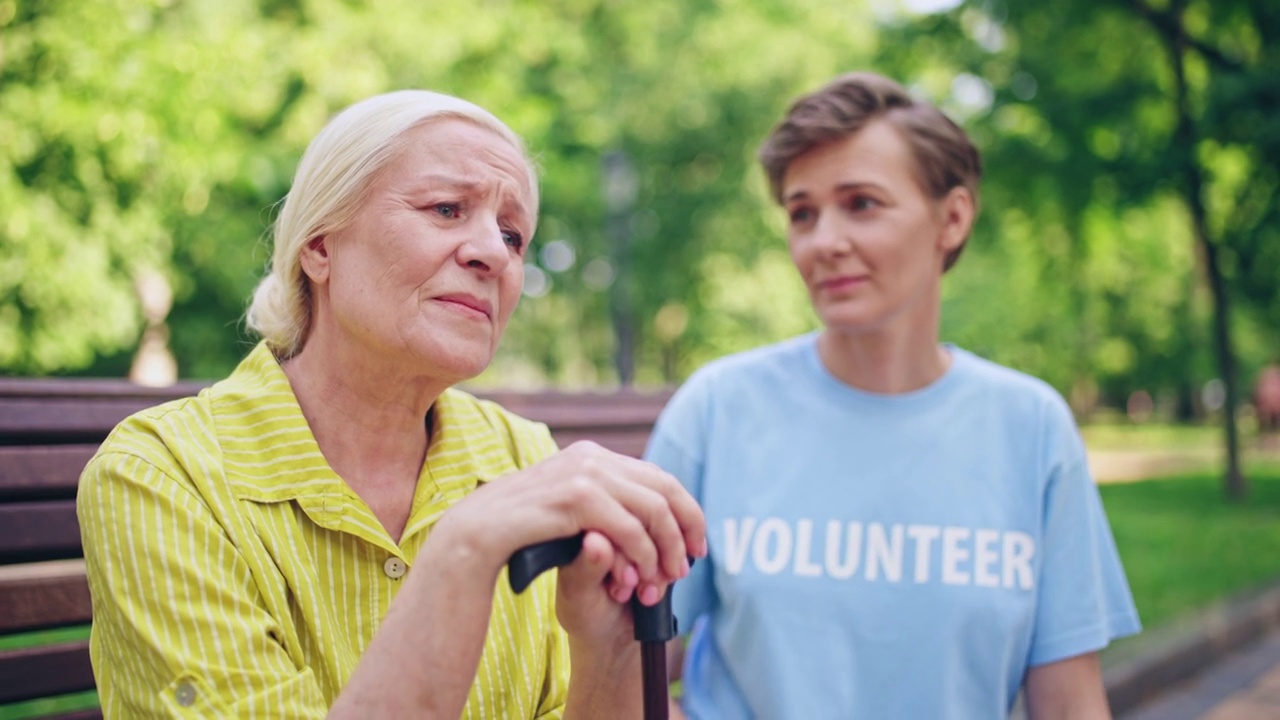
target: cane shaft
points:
(653, 657)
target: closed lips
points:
(842, 281)
(469, 301)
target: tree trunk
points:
(1193, 190)
(1222, 346)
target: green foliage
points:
(1086, 259)
(146, 148)
(157, 136)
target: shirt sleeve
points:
(1084, 598)
(556, 683)
(677, 445)
(178, 630)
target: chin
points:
(457, 361)
(854, 314)
(468, 368)
(847, 323)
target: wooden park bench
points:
(48, 431)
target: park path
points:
(1244, 686)
(1110, 466)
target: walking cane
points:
(655, 625)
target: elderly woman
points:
(323, 532)
(898, 528)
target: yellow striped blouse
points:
(234, 574)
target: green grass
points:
(44, 637)
(1184, 546)
(46, 706)
(49, 706)
(1156, 436)
(1120, 434)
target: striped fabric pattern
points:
(234, 574)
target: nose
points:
(484, 248)
(832, 237)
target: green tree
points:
(1164, 110)
(156, 136)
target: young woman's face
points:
(431, 267)
(868, 241)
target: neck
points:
(369, 420)
(896, 358)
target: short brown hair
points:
(945, 156)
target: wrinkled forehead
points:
(470, 141)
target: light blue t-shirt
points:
(883, 556)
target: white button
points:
(185, 694)
(394, 567)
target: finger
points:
(661, 530)
(647, 493)
(623, 578)
(687, 512)
(650, 593)
(602, 502)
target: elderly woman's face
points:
(431, 267)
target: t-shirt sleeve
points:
(677, 446)
(1085, 601)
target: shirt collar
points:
(258, 417)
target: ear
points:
(957, 218)
(314, 259)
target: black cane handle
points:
(531, 561)
(654, 623)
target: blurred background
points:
(1131, 150)
(1128, 249)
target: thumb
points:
(588, 603)
(593, 563)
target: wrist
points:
(605, 677)
(617, 655)
(463, 553)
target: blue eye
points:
(449, 210)
(513, 238)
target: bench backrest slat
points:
(42, 471)
(632, 444)
(36, 596)
(45, 671)
(62, 419)
(94, 714)
(44, 530)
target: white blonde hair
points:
(332, 179)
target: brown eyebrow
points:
(794, 196)
(842, 187)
